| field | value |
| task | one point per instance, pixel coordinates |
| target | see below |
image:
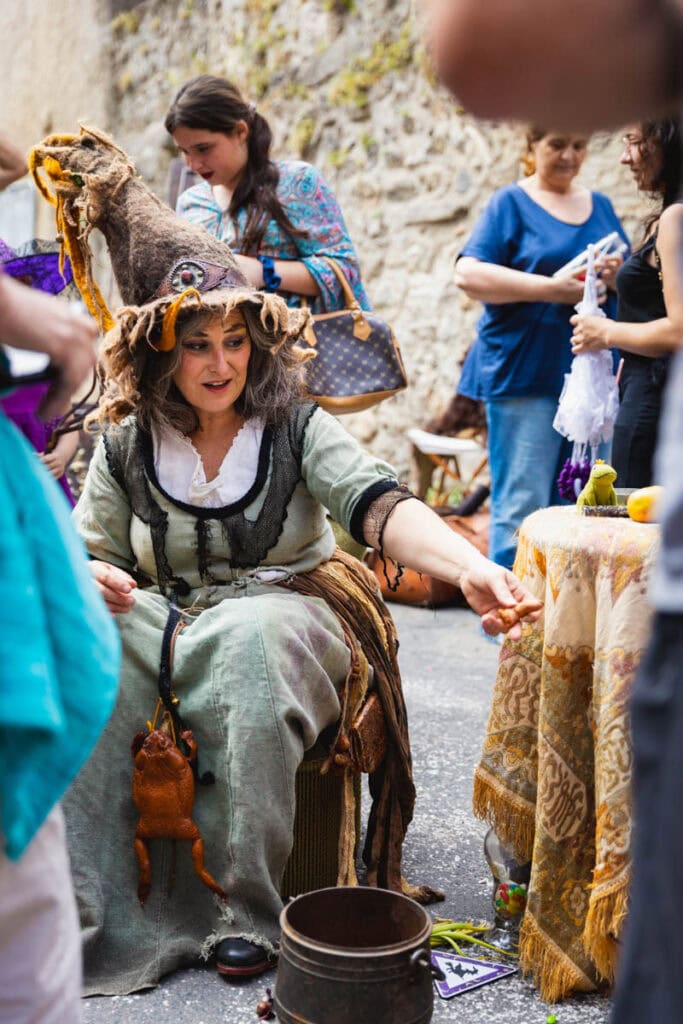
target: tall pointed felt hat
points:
(161, 263)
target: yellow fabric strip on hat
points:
(71, 243)
(167, 340)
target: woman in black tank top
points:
(642, 333)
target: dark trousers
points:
(649, 986)
(635, 431)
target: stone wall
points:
(344, 84)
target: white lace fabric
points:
(589, 403)
(180, 470)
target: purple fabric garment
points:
(37, 263)
(39, 269)
(20, 407)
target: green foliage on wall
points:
(352, 86)
(337, 157)
(302, 135)
(125, 23)
(340, 6)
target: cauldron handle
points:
(421, 958)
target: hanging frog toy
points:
(163, 792)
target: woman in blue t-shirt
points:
(516, 366)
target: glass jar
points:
(510, 885)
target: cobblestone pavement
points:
(448, 669)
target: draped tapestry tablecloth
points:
(554, 776)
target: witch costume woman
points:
(245, 632)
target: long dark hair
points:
(214, 104)
(664, 136)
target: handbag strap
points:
(361, 328)
(350, 300)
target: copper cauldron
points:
(354, 956)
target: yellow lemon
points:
(642, 505)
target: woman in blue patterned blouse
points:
(279, 216)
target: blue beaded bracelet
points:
(271, 279)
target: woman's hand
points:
(415, 536)
(489, 590)
(608, 267)
(591, 333)
(566, 291)
(115, 585)
(53, 462)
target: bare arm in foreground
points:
(33, 320)
(12, 162)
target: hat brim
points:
(285, 323)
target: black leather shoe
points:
(237, 958)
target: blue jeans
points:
(525, 458)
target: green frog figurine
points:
(599, 489)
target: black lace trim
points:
(203, 530)
(199, 511)
(112, 461)
(374, 491)
(296, 445)
(130, 457)
(380, 511)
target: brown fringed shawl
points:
(350, 590)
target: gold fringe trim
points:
(605, 919)
(511, 816)
(554, 974)
(346, 874)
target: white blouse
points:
(180, 469)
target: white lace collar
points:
(180, 470)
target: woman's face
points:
(643, 157)
(213, 365)
(218, 158)
(559, 158)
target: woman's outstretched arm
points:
(416, 537)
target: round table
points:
(554, 776)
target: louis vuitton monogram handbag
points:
(356, 360)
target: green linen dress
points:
(257, 669)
